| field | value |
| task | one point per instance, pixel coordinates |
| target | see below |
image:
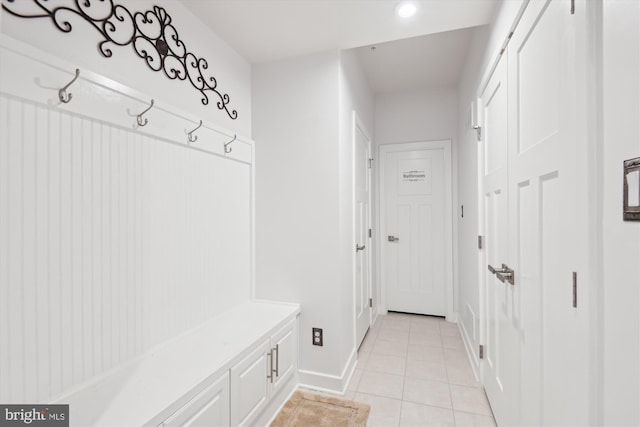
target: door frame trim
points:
(446, 145)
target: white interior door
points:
(362, 193)
(416, 224)
(548, 209)
(501, 370)
(538, 326)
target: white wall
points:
(295, 118)
(80, 47)
(416, 116)
(120, 238)
(621, 240)
(304, 208)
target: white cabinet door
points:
(285, 356)
(209, 408)
(250, 385)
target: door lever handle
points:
(359, 248)
(504, 274)
(504, 269)
(393, 238)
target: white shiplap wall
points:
(113, 239)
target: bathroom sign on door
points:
(415, 176)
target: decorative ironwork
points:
(151, 33)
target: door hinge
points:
(481, 352)
(575, 290)
(480, 242)
(370, 302)
(369, 233)
(370, 163)
(573, 7)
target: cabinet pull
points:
(277, 360)
(270, 356)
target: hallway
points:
(414, 371)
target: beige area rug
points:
(305, 409)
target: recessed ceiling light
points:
(406, 9)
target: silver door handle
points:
(359, 248)
(503, 274)
(393, 238)
(493, 270)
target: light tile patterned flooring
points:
(413, 371)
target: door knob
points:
(359, 248)
(393, 238)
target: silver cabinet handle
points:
(277, 360)
(393, 238)
(270, 356)
(359, 248)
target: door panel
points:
(547, 72)
(501, 370)
(415, 260)
(362, 154)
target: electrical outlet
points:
(317, 336)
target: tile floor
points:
(413, 371)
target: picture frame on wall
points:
(631, 190)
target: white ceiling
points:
(425, 62)
(269, 30)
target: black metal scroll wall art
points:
(151, 34)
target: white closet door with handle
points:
(362, 181)
(501, 369)
(548, 209)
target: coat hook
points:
(62, 93)
(139, 118)
(190, 136)
(228, 149)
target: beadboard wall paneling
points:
(113, 239)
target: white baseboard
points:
(471, 354)
(329, 383)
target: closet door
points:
(501, 368)
(548, 209)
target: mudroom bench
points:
(236, 369)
